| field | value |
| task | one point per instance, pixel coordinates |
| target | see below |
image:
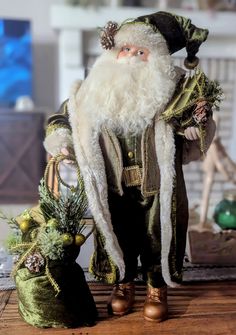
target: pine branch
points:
(68, 209)
(10, 220)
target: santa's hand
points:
(66, 152)
(192, 133)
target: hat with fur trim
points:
(168, 31)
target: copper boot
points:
(121, 299)
(155, 306)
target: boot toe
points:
(155, 312)
(119, 306)
(155, 306)
(121, 299)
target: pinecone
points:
(201, 112)
(34, 262)
(108, 34)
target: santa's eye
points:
(126, 49)
(140, 52)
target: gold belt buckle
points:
(132, 175)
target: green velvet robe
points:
(163, 152)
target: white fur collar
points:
(91, 162)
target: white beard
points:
(125, 95)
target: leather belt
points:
(132, 175)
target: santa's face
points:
(126, 88)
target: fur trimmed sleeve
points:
(191, 149)
(58, 132)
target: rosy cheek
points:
(144, 57)
(122, 54)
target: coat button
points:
(130, 154)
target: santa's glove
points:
(192, 133)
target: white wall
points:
(45, 53)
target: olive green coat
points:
(99, 157)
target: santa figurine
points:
(131, 157)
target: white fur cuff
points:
(60, 138)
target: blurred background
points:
(45, 46)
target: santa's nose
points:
(130, 54)
(133, 52)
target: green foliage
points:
(67, 209)
(51, 244)
(207, 89)
(15, 237)
(11, 221)
(12, 241)
(214, 93)
(65, 213)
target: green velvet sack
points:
(41, 307)
(51, 286)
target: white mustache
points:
(130, 60)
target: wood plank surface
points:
(199, 308)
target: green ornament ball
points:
(24, 225)
(67, 239)
(225, 211)
(79, 239)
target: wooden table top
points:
(199, 308)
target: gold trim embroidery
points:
(132, 175)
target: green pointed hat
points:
(177, 31)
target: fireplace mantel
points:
(76, 17)
(77, 28)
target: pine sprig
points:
(16, 236)
(47, 201)
(68, 209)
(11, 242)
(74, 205)
(214, 93)
(209, 90)
(10, 220)
(51, 244)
